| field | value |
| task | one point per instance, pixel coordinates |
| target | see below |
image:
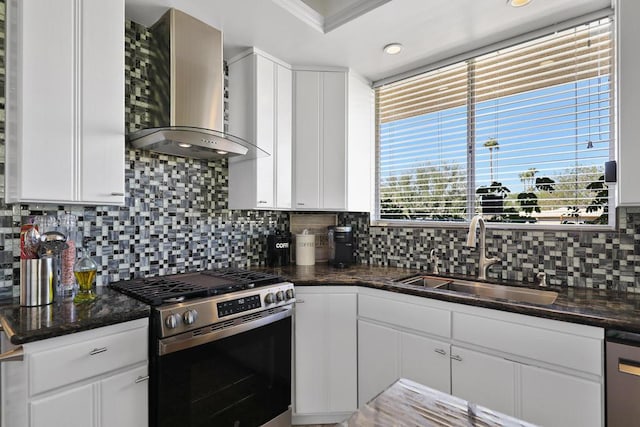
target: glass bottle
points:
(68, 225)
(85, 270)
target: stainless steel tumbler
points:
(37, 281)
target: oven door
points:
(237, 374)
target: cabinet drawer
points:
(57, 367)
(538, 342)
(411, 316)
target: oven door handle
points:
(238, 325)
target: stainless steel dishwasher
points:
(622, 378)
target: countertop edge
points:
(20, 339)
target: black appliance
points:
(220, 348)
(341, 246)
(278, 249)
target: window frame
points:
(375, 219)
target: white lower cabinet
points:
(425, 360)
(71, 408)
(551, 399)
(386, 354)
(325, 384)
(483, 379)
(124, 399)
(95, 378)
(543, 371)
(378, 359)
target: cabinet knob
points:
(141, 379)
(456, 357)
(97, 351)
(117, 193)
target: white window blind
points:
(519, 135)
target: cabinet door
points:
(265, 130)
(124, 399)
(307, 131)
(284, 117)
(334, 140)
(378, 359)
(72, 408)
(426, 361)
(483, 379)
(628, 34)
(45, 89)
(101, 144)
(325, 353)
(554, 399)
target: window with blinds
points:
(519, 135)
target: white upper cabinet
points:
(628, 34)
(333, 141)
(260, 98)
(65, 101)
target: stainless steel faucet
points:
(484, 263)
(434, 258)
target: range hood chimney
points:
(187, 93)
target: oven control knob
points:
(172, 321)
(270, 298)
(290, 294)
(280, 296)
(190, 317)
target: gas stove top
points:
(157, 291)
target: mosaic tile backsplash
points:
(175, 218)
(599, 259)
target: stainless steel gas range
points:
(220, 348)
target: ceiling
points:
(353, 36)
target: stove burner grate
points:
(156, 291)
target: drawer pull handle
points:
(300, 204)
(117, 193)
(456, 357)
(15, 354)
(262, 201)
(440, 351)
(141, 379)
(299, 301)
(97, 351)
(629, 367)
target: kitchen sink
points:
(426, 281)
(486, 290)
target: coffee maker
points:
(278, 249)
(341, 246)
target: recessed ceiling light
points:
(393, 48)
(184, 145)
(518, 3)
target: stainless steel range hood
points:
(187, 93)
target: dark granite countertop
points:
(407, 403)
(27, 324)
(602, 308)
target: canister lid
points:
(343, 229)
